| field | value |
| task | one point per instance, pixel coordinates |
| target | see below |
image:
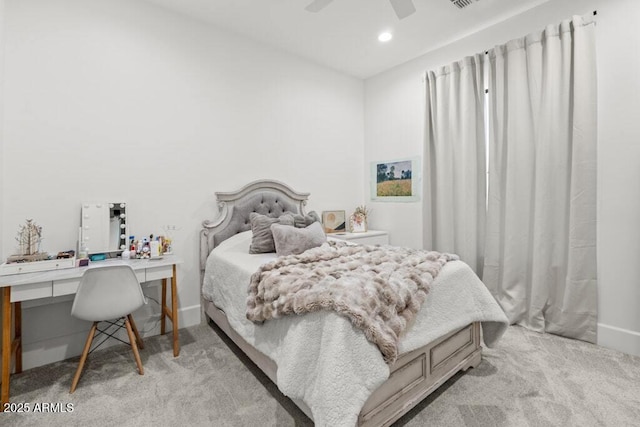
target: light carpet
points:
(529, 379)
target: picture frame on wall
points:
(395, 180)
(334, 221)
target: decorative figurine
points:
(358, 219)
(29, 238)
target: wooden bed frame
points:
(412, 377)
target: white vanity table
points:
(17, 288)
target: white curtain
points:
(540, 259)
(455, 166)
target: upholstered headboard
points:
(266, 197)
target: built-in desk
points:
(45, 284)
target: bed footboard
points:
(413, 377)
(418, 373)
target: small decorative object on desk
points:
(29, 238)
(66, 254)
(147, 247)
(29, 258)
(165, 245)
(167, 239)
(358, 220)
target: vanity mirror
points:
(103, 227)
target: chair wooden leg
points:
(135, 332)
(134, 345)
(83, 358)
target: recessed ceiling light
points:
(385, 37)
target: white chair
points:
(107, 293)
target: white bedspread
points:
(322, 359)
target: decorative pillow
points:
(291, 240)
(262, 239)
(302, 221)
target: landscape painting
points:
(394, 180)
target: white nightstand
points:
(371, 237)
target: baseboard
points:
(619, 339)
(61, 347)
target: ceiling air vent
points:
(462, 3)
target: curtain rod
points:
(595, 12)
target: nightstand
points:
(371, 237)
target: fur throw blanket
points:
(379, 289)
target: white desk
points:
(43, 284)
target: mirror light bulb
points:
(385, 37)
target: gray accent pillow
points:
(294, 241)
(302, 221)
(262, 239)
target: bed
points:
(325, 365)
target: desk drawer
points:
(31, 291)
(157, 273)
(65, 287)
(70, 286)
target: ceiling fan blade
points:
(317, 5)
(403, 8)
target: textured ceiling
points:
(343, 35)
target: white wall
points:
(121, 100)
(394, 105)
